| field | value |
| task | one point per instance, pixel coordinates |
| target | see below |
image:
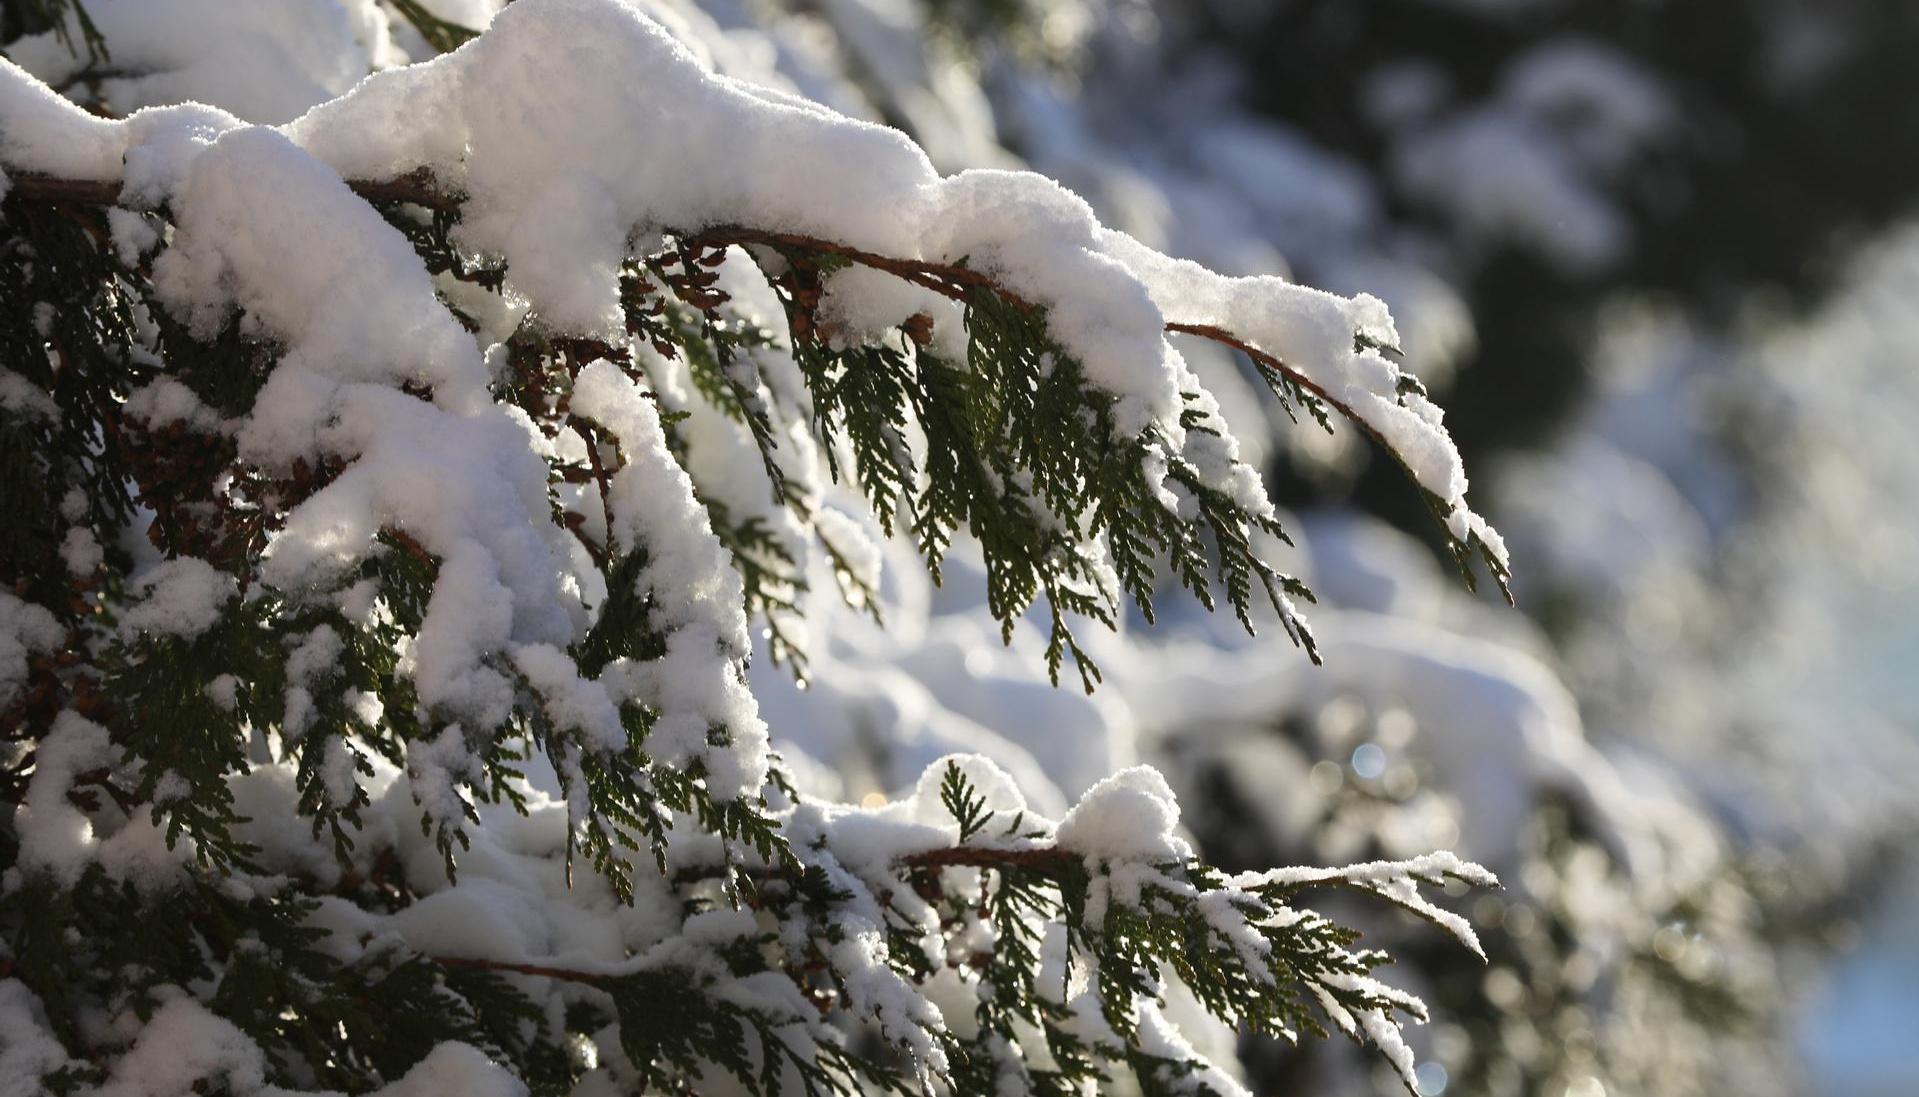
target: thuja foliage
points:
(203, 771)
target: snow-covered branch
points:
(407, 480)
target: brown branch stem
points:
(1051, 860)
(1048, 859)
(1273, 362)
(947, 279)
(476, 963)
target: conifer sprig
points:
(183, 700)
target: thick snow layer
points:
(1129, 816)
(181, 597)
(546, 190)
(28, 1050)
(697, 685)
(559, 203)
(264, 62)
(576, 130)
(55, 835)
(26, 630)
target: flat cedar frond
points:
(382, 575)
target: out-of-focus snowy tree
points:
(1606, 217)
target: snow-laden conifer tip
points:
(435, 456)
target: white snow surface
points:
(577, 130)
(547, 189)
(26, 630)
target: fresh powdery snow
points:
(576, 134)
(547, 190)
(562, 204)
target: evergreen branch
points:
(1047, 859)
(565, 975)
(442, 34)
(416, 187)
(952, 280)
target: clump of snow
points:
(28, 1050)
(861, 304)
(55, 835)
(455, 1068)
(81, 552)
(181, 597)
(26, 630)
(1130, 816)
(549, 191)
(20, 396)
(358, 306)
(559, 202)
(133, 235)
(697, 685)
(180, 1047)
(42, 131)
(265, 62)
(165, 401)
(988, 782)
(571, 701)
